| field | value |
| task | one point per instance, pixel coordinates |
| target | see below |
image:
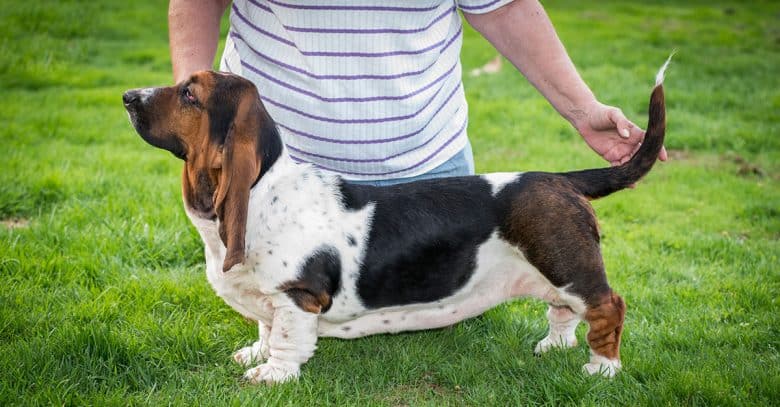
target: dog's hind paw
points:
(251, 354)
(551, 342)
(602, 365)
(269, 373)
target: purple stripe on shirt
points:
(356, 31)
(371, 54)
(358, 121)
(261, 6)
(419, 163)
(369, 30)
(481, 6)
(366, 160)
(238, 36)
(285, 41)
(352, 8)
(260, 30)
(346, 99)
(229, 69)
(375, 141)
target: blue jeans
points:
(461, 163)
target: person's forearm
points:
(193, 33)
(522, 32)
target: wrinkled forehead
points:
(217, 85)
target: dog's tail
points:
(597, 183)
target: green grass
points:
(104, 299)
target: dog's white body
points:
(295, 210)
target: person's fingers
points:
(622, 124)
(625, 157)
(662, 155)
(637, 132)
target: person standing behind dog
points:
(372, 90)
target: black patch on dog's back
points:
(424, 237)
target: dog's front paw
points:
(269, 373)
(551, 342)
(252, 354)
(602, 365)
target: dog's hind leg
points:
(555, 228)
(603, 312)
(563, 323)
(605, 318)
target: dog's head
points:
(217, 124)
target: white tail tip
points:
(659, 77)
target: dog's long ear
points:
(241, 163)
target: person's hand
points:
(610, 134)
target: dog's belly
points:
(409, 318)
(502, 274)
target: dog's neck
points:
(282, 166)
(270, 146)
(279, 175)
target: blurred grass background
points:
(104, 299)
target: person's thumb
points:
(622, 124)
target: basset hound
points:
(307, 254)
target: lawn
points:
(104, 299)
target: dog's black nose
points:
(130, 97)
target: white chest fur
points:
(293, 211)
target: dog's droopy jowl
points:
(307, 254)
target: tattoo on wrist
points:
(577, 115)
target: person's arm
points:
(193, 34)
(522, 32)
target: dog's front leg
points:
(292, 342)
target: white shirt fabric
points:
(370, 90)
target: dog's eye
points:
(188, 95)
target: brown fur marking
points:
(606, 325)
(305, 299)
(556, 229)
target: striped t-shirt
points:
(367, 89)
